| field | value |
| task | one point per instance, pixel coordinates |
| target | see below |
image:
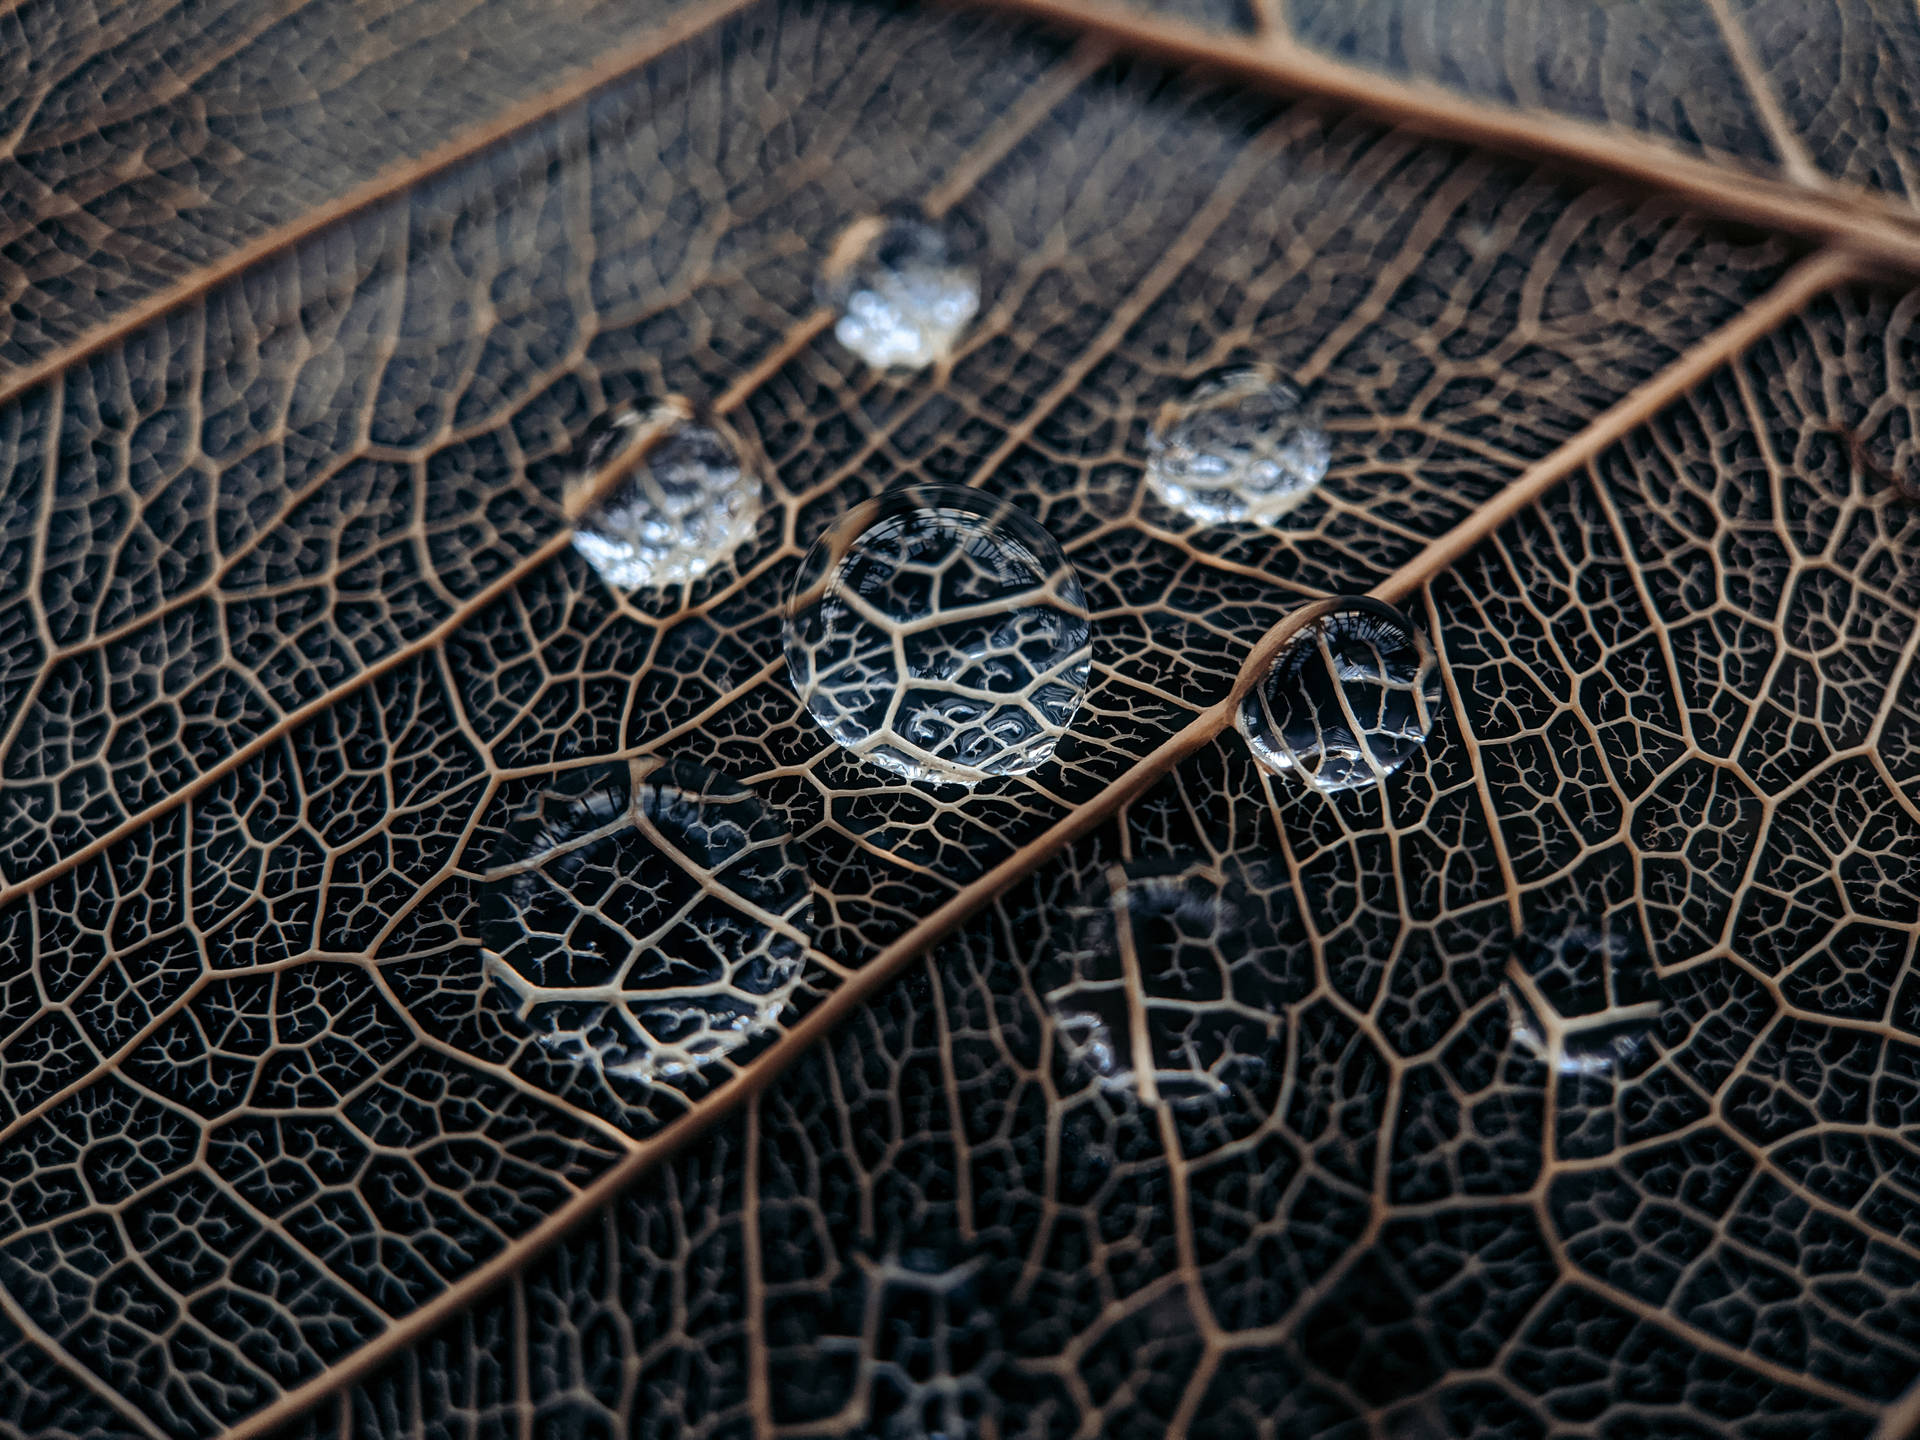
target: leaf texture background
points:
(291, 627)
(150, 145)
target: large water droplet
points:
(1169, 981)
(1239, 449)
(646, 918)
(901, 299)
(941, 633)
(1583, 997)
(687, 505)
(1348, 699)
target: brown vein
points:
(759, 1402)
(1902, 1419)
(682, 27)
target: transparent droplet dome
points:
(681, 499)
(645, 918)
(901, 300)
(940, 633)
(1171, 976)
(1239, 448)
(1348, 700)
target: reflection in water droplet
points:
(646, 917)
(941, 633)
(1166, 984)
(686, 507)
(1239, 449)
(901, 299)
(1348, 699)
(1583, 997)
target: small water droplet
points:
(1160, 988)
(688, 504)
(1583, 997)
(901, 298)
(646, 917)
(1241, 448)
(941, 633)
(1348, 699)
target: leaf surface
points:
(149, 151)
(294, 632)
(1396, 1218)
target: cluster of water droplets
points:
(680, 499)
(645, 918)
(653, 920)
(940, 633)
(1347, 701)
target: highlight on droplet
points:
(900, 298)
(1240, 448)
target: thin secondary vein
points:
(1794, 158)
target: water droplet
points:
(1348, 699)
(646, 917)
(1241, 448)
(941, 633)
(901, 299)
(1164, 984)
(1583, 997)
(688, 504)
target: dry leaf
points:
(1560, 1079)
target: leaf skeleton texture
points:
(1797, 113)
(294, 634)
(148, 143)
(1389, 1220)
